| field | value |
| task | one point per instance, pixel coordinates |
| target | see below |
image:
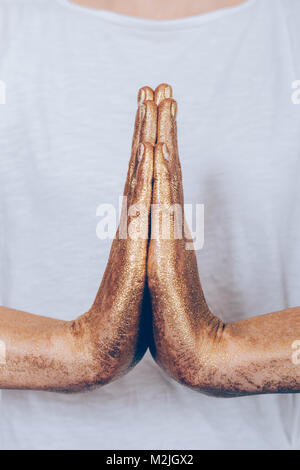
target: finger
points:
(144, 174)
(149, 123)
(167, 212)
(144, 129)
(144, 115)
(168, 188)
(147, 133)
(145, 94)
(139, 208)
(167, 133)
(162, 190)
(167, 126)
(135, 143)
(162, 92)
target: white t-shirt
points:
(72, 76)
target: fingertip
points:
(165, 152)
(145, 170)
(140, 152)
(158, 150)
(162, 152)
(145, 155)
(150, 107)
(149, 148)
(161, 157)
(149, 124)
(163, 91)
(166, 123)
(145, 93)
(169, 106)
(148, 110)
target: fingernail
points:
(142, 111)
(141, 96)
(168, 92)
(174, 110)
(165, 152)
(141, 150)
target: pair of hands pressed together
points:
(151, 295)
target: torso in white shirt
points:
(71, 77)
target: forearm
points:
(254, 356)
(260, 356)
(40, 353)
(249, 357)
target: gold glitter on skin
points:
(247, 357)
(48, 354)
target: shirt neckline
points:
(157, 25)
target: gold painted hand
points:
(252, 356)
